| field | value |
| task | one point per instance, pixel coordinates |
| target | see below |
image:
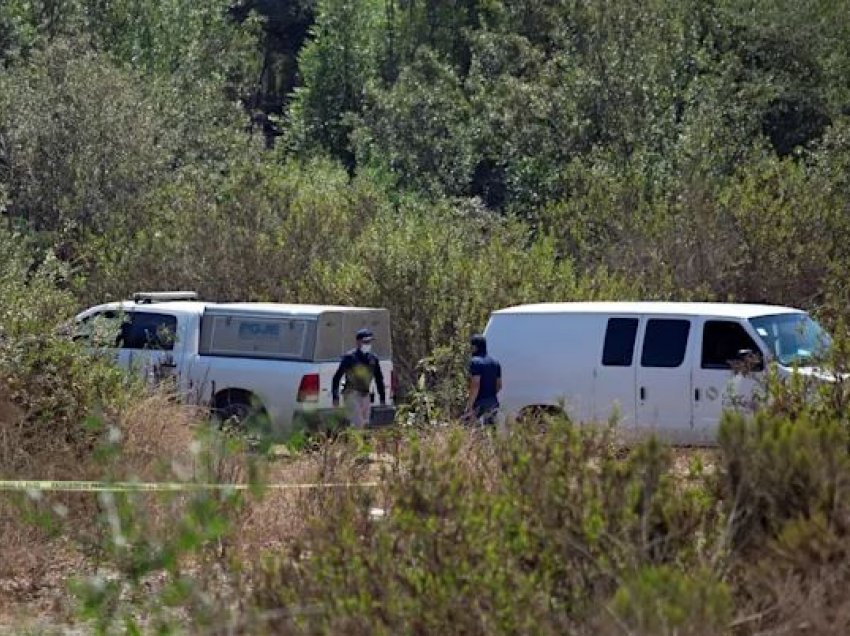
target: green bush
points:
(777, 469)
(54, 383)
(254, 233)
(659, 600)
(166, 550)
(81, 140)
(784, 481)
(441, 271)
(527, 533)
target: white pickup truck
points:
(242, 359)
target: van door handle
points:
(696, 395)
(643, 393)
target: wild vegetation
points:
(441, 159)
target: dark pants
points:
(485, 414)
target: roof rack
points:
(163, 296)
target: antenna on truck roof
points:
(163, 296)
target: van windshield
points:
(793, 338)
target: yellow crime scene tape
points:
(133, 486)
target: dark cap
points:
(478, 340)
(479, 345)
(364, 333)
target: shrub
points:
(50, 379)
(255, 233)
(788, 461)
(441, 271)
(660, 600)
(489, 535)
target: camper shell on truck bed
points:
(242, 358)
(313, 333)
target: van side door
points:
(615, 374)
(723, 376)
(664, 377)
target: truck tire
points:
(240, 412)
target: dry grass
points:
(281, 515)
(32, 564)
(36, 559)
(157, 439)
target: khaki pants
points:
(359, 407)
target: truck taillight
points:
(308, 390)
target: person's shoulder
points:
(350, 354)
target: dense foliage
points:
(306, 150)
(443, 159)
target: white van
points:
(242, 359)
(659, 367)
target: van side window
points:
(143, 330)
(665, 342)
(619, 347)
(722, 341)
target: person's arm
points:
(343, 367)
(474, 387)
(379, 380)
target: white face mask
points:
(366, 347)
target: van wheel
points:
(239, 412)
(539, 412)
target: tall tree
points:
(335, 66)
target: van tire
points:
(539, 411)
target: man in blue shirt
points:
(485, 382)
(360, 367)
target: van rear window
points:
(619, 347)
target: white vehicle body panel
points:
(273, 382)
(552, 356)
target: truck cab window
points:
(619, 346)
(143, 330)
(665, 342)
(98, 330)
(722, 344)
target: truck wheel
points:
(240, 412)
